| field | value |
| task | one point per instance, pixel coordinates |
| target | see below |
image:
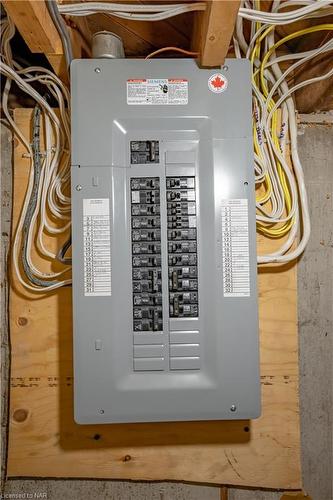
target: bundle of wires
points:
(46, 207)
(282, 203)
(138, 12)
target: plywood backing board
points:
(44, 440)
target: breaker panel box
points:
(164, 242)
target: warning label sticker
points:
(157, 91)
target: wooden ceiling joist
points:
(209, 33)
(211, 36)
(34, 23)
(213, 31)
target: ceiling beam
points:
(33, 21)
(213, 31)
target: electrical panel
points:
(164, 242)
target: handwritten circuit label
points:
(235, 248)
(97, 247)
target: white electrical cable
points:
(156, 12)
(138, 12)
(276, 18)
(119, 7)
(52, 200)
(271, 160)
(160, 16)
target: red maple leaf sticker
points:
(218, 83)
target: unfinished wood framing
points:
(211, 38)
(209, 33)
(213, 31)
(33, 21)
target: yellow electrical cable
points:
(313, 29)
(259, 80)
(256, 82)
(266, 195)
(277, 232)
(258, 26)
(286, 226)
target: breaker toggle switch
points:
(183, 234)
(176, 306)
(145, 261)
(174, 284)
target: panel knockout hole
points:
(20, 415)
(97, 437)
(246, 429)
(127, 458)
(101, 412)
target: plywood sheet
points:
(44, 440)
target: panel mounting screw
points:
(97, 70)
(78, 187)
(225, 68)
(101, 412)
(233, 408)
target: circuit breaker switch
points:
(174, 280)
(175, 307)
(185, 272)
(185, 284)
(155, 280)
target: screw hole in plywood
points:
(20, 415)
